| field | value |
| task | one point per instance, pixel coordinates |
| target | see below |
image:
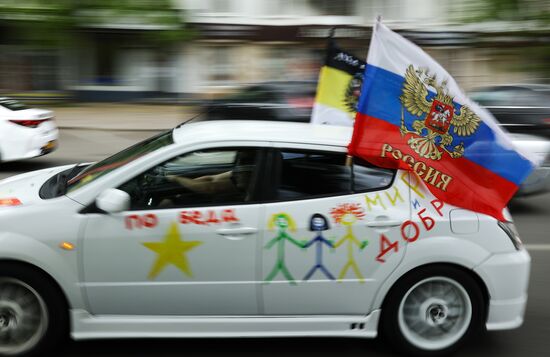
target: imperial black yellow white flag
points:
(338, 88)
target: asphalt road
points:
(532, 216)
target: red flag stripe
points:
(381, 143)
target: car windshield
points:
(119, 159)
(275, 92)
(251, 94)
(12, 104)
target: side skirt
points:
(86, 326)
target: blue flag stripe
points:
(380, 99)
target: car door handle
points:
(236, 231)
(383, 224)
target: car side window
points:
(301, 174)
(367, 177)
(529, 98)
(200, 178)
(494, 97)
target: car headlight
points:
(510, 229)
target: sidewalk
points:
(108, 116)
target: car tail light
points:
(512, 232)
(9, 202)
(29, 123)
(546, 121)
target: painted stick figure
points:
(283, 222)
(318, 223)
(347, 214)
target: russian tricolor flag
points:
(412, 115)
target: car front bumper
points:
(507, 278)
(538, 182)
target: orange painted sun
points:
(339, 212)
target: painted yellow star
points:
(171, 251)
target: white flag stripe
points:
(394, 53)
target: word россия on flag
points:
(412, 115)
(338, 88)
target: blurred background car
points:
(539, 180)
(521, 108)
(25, 132)
(284, 100)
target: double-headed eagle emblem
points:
(432, 133)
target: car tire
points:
(432, 311)
(33, 311)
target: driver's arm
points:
(210, 184)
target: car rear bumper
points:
(39, 145)
(507, 278)
(24, 143)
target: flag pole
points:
(330, 43)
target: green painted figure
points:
(283, 222)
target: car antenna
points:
(193, 118)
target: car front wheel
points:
(32, 315)
(433, 310)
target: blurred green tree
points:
(528, 20)
(511, 10)
(38, 23)
(48, 23)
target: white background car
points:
(227, 229)
(25, 132)
(538, 181)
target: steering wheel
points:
(152, 179)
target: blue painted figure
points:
(318, 223)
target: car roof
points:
(252, 130)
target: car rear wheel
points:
(32, 312)
(433, 310)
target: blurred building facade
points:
(243, 41)
(249, 40)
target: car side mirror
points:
(113, 200)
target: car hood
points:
(23, 189)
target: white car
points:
(538, 181)
(242, 229)
(25, 132)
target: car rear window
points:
(12, 104)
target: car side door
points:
(186, 246)
(331, 227)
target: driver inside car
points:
(233, 181)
